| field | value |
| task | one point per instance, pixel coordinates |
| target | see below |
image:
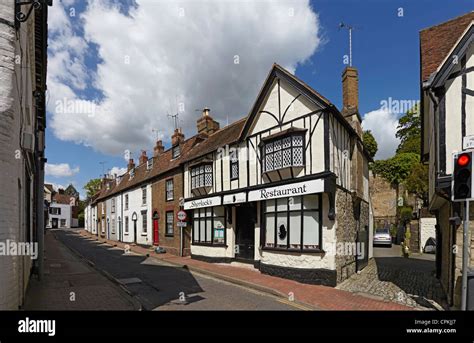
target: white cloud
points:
(177, 52)
(383, 125)
(60, 170)
(117, 171)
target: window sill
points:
(304, 251)
(169, 236)
(217, 245)
(283, 169)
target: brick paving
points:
(317, 297)
(405, 281)
(65, 273)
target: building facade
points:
(22, 125)
(447, 110)
(281, 187)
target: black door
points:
(245, 232)
(54, 223)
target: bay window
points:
(293, 223)
(283, 152)
(201, 176)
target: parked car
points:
(382, 237)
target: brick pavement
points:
(66, 272)
(318, 297)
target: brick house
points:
(447, 113)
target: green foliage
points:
(406, 214)
(393, 231)
(396, 169)
(92, 187)
(409, 131)
(370, 143)
(417, 182)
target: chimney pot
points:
(205, 124)
(143, 157)
(177, 137)
(158, 149)
(131, 164)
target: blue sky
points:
(385, 51)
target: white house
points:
(281, 187)
(447, 113)
(62, 211)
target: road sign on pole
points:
(181, 215)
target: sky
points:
(117, 69)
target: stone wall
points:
(348, 224)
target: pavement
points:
(297, 294)
(407, 281)
(69, 283)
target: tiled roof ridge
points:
(447, 22)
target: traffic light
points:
(462, 181)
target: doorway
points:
(54, 223)
(156, 231)
(246, 216)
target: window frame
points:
(144, 195)
(263, 151)
(196, 170)
(175, 151)
(126, 202)
(234, 162)
(167, 233)
(144, 223)
(205, 219)
(112, 205)
(167, 198)
(301, 210)
(126, 226)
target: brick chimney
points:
(131, 164)
(158, 149)
(206, 124)
(350, 98)
(177, 137)
(143, 158)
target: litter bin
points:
(470, 290)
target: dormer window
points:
(283, 152)
(149, 164)
(201, 176)
(176, 151)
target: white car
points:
(382, 237)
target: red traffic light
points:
(463, 160)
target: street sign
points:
(181, 215)
(181, 224)
(468, 142)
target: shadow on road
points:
(153, 283)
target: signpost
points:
(181, 216)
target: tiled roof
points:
(161, 164)
(49, 187)
(437, 41)
(218, 139)
(64, 199)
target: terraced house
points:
(280, 188)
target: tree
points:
(92, 187)
(417, 182)
(396, 169)
(409, 131)
(370, 143)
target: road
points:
(158, 285)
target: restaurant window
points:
(169, 223)
(293, 223)
(201, 176)
(283, 152)
(144, 222)
(169, 190)
(209, 225)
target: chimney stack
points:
(350, 98)
(143, 158)
(131, 164)
(177, 137)
(158, 149)
(206, 124)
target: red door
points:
(156, 232)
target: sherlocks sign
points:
(208, 202)
(292, 189)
